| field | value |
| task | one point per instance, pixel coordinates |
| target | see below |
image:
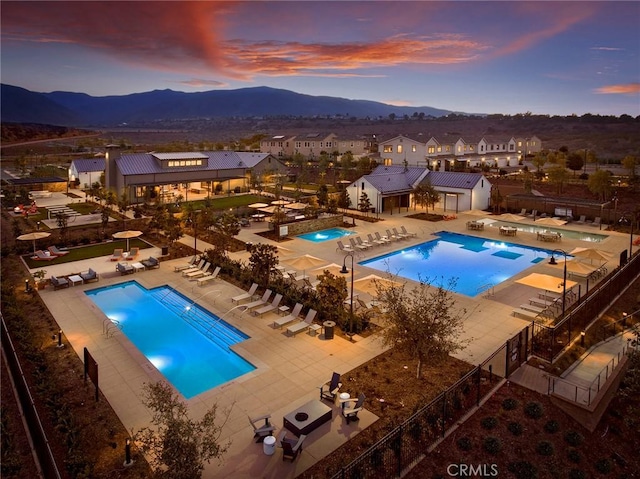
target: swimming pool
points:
(475, 262)
(579, 235)
(186, 343)
(326, 235)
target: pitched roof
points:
(391, 179)
(452, 179)
(147, 163)
(86, 165)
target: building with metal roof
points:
(86, 171)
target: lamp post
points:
(344, 270)
(553, 261)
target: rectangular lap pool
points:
(475, 262)
(326, 235)
(186, 343)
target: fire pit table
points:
(307, 417)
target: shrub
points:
(509, 404)
(523, 470)
(464, 443)
(492, 445)
(552, 426)
(545, 448)
(577, 474)
(515, 428)
(603, 466)
(574, 455)
(534, 410)
(489, 422)
(574, 438)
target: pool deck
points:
(289, 369)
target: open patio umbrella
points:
(280, 202)
(268, 209)
(550, 222)
(127, 235)
(368, 284)
(576, 267)
(333, 268)
(511, 217)
(258, 205)
(296, 206)
(545, 281)
(36, 235)
(304, 262)
(591, 254)
(476, 213)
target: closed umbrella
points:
(36, 235)
(127, 235)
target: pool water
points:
(526, 228)
(326, 235)
(186, 343)
(475, 262)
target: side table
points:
(269, 445)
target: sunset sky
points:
(545, 57)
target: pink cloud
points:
(625, 89)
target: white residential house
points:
(402, 149)
(86, 171)
(279, 146)
(461, 191)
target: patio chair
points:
(398, 234)
(117, 254)
(343, 247)
(89, 276)
(124, 268)
(523, 212)
(533, 214)
(204, 279)
(380, 238)
(151, 262)
(291, 447)
(364, 243)
(269, 307)
(42, 256)
(330, 391)
(258, 302)
(56, 252)
(350, 413)
(374, 241)
(408, 233)
(190, 264)
(198, 273)
(288, 318)
(596, 221)
(391, 236)
(194, 268)
(59, 282)
(582, 220)
(311, 285)
(302, 325)
(356, 246)
(133, 253)
(261, 431)
(248, 295)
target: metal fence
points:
(409, 442)
(550, 341)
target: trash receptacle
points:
(269, 445)
(328, 329)
(165, 250)
(248, 245)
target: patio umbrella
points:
(258, 205)
(368, 284)
(550, 222)
(296, 206)
(304, 262)
(511, 217)
(36, 235)
(280, 202)
(476, 213)
(268, 209)
(545, 281)
(333, 268)
(127, 235)
(591, 254)
(576, 267)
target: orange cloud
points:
(628, 89)
(198, 83)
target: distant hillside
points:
(82, 110)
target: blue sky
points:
(546, 57)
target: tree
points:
(364, 205)
(629, 163)
(178, 446)
(422, 322)
(227, 226)
(575, 162)
(331, 291)
(263, 259)
(346, 160)
(558, 175)
(62, 221)
(539, 161)
(323, 195)
(344, 201)
(599, 183)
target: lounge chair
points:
(42, 256)
(302, 325)
(208, 277)
(364, 243)
(330, 391)
(392, 237)
(288, 318)
(261, 431)
(133, 253)
(523, 212)
(356, 246)
(343, 247)
(56, 252)
(399, 235)
(194, 268)
(258, 302)
(374, 241)
(310, 285)
(248, 295)
(349, 412)
(89, 276)
(269, 307)
(190, 264)
(533, 214)
(117, 254)
(124, 268)
(582, 220)
(380, 238)
(200, 272)
(291, 447)
(150, 263)
(59, 282)
(596, 221)
(408, 233)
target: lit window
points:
(182, 162)
(471, 148)
(172, 163)
(439, 149)
(387, 149)
(413, 148)
(399, 148)
(388, 162)
(448, 148)
(432, 149)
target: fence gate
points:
(518, 350)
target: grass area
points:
(86, 252)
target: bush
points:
(534, 410)
(523, 470)
(492, 445)
(603, 466)
(552, 426)
(574, 455)
(464, 444)
(545, 448)
(577, 474)
(509, 404)
(584, 176)
(574, 438)
(489, 422)
(515, 428)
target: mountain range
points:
(20, 105)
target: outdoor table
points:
(343, 398)
(307, 417)
(283, 310)
(74, 279)
(138, 267)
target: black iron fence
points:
(550, 341)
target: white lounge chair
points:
(190, 264)
(248, 295)
(258, 302)
(374, 241)
(269, 307)
(208, 277)
(408, 233)
(383, 239)
(195, 268)
(344, 247)
(289, 318)
(356, 246)
(302, 325)
(200, 272)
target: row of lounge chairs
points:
(52, 253)
(358, 244)
(201, 272)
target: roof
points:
(189, 155)
(452, 179)
(86, 165)
(391, 179)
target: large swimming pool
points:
(186, 343)
(326, 235)
(475, 262)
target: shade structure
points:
(576, 267)
(36, 235)
(333, 268)
(280, 202)
(368, 284)
(550, 222)
(546, 282)
(268, 209)
(296, 206)
(304, 262)
(476, 213)
(258, 205)
(127, 235)
(511, 217)
(591, 254)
